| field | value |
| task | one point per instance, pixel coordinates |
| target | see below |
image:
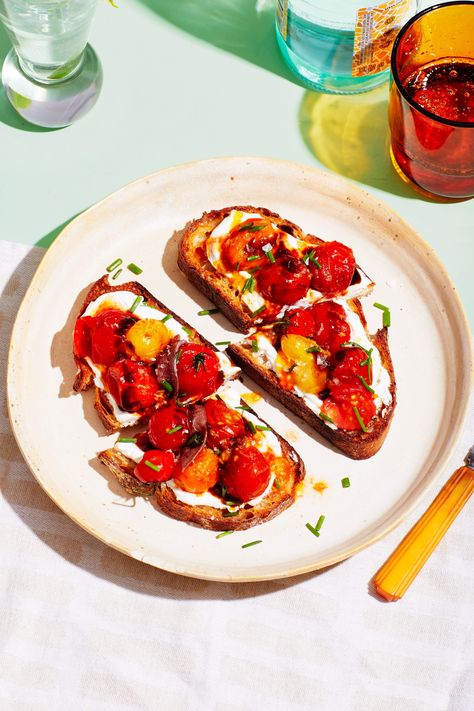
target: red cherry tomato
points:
(284, 282)
(348, 366)
(161, 469)
(224, 424)
(162, 424)
(133, 385)
(82, 336)
(337, 266)
(107, 335)
(198, 371)
(301, 322)
(331, 327)
(245, 241)
(246, 473)
(339, 406)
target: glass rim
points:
(395, 75)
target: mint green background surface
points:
(196, 79)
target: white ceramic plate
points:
(59, 433)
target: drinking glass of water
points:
(52, 76)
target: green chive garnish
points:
(262, 428)
(292, 367)
(222, 343)
(258, 311)
(224, 533)
(217, 451)
(254, 345)
(254, 270)
(277, 484)
(156, 468)
(134, 269)
(251, 427)
(127, 440)
(283, 322)
(178, 355)
(116, 263)
(167, 386)
(117, 273)
(255, 228)
(253, 258)
(386, 319)
(313, 530)
(314, 349)
(174, 429)
(166, 318)
(252, 543)
(366, 384)
(228, 514)
(188, 331)
(249, 285)
(359, 419)
(135, 304)
(326, 418)
(243, 407)
(311, 258)
(346, 482)
(208, 312)
(320, 523)
(269, 255)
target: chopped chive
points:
(255, 228)
(188, 331)
(253, 258)
(167, 386)
(262, 428)
(313, 530)
(254, 345)
(198, 361)
(283, 322)
(359, 419)
(156, 468)
(366, 384)
(357, 345)
(314, 349)
(326, 418)
(134, 269)
(270, 257)
(127, 440)
(237, 267)
(292, 367)
(217, 451)
(319, 523)
(224, 533)
(311, 258)
(242, 228)
(277, 484)
(249, 285)
(178, 355)
(243, 407)
(135, 304)
(258, 311)
(346, 482)
(228, 514)
(386, 319)
(252, 543)
(254, 270)
(251, 427)
(222, 343)
(315, 262)
(208, 312)
(117, 273)
(174, 429)
(166, 318)
(116, 263)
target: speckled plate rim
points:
(346, 188)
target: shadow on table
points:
(245, 28)
(349, 134)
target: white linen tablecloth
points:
(84, 627)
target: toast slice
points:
(111, 415)
(226, 287)
(355, 443)
(279, 495)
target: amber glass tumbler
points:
(432, 131)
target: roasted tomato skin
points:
(82, 336)
(165, 461)
(107, 335)
(198, 371)
(246, 473)
(284, 282)
(165, 419)
(339, 406)
(133, 385)
(225, 425)
(199, 476)
(301, 322)
(246, 240)
(348, 366)
(337, 266)
(331, 328)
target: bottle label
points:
(282, 17)
(375, 32)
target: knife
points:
(396, 575)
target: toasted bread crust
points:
(276, 501)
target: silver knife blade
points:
(470, 458)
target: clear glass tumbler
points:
(52, 76)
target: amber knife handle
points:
(396, 575)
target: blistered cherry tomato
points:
(169, 427)
(301, 322)
(82, 336)
(159, 468)
(331, 327)
(133, 385)
(198, 371)
(339, 406)
(348, 366)
(246, 473)
(201, 474)
(284, 282)
(225, 425)
(247, 240)
(107, 335)
(337, 266)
